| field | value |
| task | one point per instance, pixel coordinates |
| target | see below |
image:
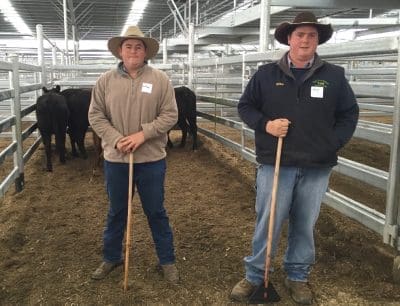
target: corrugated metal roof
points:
(102, 19)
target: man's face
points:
(132, 52)
(303, 42)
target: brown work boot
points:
(299, 291)
(104, 269)
(242, 290)
(170, 273)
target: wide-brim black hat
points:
(325, 31)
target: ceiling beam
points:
(377, 31)
(381, 4)
(359, 21)
(218, 40)
(84, 13)
(245, 16)
(59, 12)
(70, 6)
(79, 4)
(204, 41)
(237, 31)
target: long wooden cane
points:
(129, 222)
(266, 293)
(272, 213)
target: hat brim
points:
(151, 44)
(325, 31)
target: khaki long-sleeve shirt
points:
(121, 106)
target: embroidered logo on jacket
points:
(279, 84)
(320, 83)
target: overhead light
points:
(135, 14)
(11, 15)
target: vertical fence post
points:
(243, 140)
(53, 63)
(215, 93)
(165, 51)
(265, 21)
(191, 54)
(39, 34)
(17, 129)
(391, 230)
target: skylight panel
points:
(135, 14)
(11, 15)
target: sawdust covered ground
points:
(51, 238)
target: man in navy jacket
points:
(309, 103)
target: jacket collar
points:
(284, 66)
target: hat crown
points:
(305, 17)
(133, 31)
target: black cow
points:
(52, 118)
(186, 102)
(78, 101)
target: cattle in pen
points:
(187, 116)
(78, 101)
(52, 118)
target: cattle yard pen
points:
(371, 66)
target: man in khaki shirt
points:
(132, 108)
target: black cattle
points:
(78, 101)
(52, 118)
(186, 102)
(98, 150)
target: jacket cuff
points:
(148, 131)
(261, 124)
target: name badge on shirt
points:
(317, 92)
(147, 87)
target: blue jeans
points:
(299, 196)
(149, 180)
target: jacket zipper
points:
(298, 94)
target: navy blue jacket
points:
(320, 123)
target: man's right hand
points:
(131, 142)
(278, 127)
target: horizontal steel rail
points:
(7, 123)
(371, 218)
(370, 175)
(9, 150)
(376, 107)
(6, 94)
(374, 132)
(6, 183)
(32, 149)
(363, 173)
(349, 207)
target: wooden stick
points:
(272, 212)
(129, 222)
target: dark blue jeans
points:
(149, 180)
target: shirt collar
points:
(122, 69)
(307, 65)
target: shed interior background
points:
(227, 49)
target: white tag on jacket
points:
(147, 87)
(317, 92)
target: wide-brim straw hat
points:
(133, 32)
(303, 19)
